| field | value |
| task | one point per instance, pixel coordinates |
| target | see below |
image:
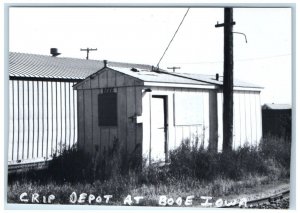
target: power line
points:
(173, 37)
(236, 60)
(88, 51)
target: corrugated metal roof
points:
(277, 106)
(42, 66)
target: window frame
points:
(107, 112)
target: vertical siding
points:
(113, 135)
(75, 122)
(247, 119)
(146, 103)
(40, 119)
(243, 119)
(11, 120)
(120, 80)
(205, 103)
(171, 133)
(62, 116)
(104, 137)
(131, 126)
(132, 102)
(81, 114)
(95, 82)
(88, 120)
(122, 116)
(103, 79)
(138, 111)
(213, 120)
(259, 118)
(253, 118)
(220, 121)
(111, 79)
(237, 120)
(178, 133)
(95, 122)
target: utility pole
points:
(173, 68)
(88, 51)
(228, 79)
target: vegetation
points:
(193, 170)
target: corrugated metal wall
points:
(42, 119)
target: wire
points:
(237, 60)
(173, 37)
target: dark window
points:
(107, 103)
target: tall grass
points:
(191, 169)
(272, 156)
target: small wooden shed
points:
(277, 120)
(156, 110)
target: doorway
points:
(159, 129)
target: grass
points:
(192, 171)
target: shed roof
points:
(148, 75)
(24, 65)
(273, 106)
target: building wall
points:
(247, 118)
(277, 122)
(42, 119)
(177, 132)
(247, 124)
(129, 105)
(134, 115)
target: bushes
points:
(192, 170)
(272, 157)
(76, 166)
(277, 149)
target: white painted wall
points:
(247, 123)
(178, 132)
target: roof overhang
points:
(178, 85)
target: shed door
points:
(159, 129)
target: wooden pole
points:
(228, 81)
(88, 51)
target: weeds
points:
(192, 169)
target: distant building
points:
(276, 120)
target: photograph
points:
(116, 106)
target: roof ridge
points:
(108, 61)
(34, 54)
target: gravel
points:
(278, 204)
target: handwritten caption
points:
(163, 200)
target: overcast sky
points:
(140, 35)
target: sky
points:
(141, 35)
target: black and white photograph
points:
(118, 106)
